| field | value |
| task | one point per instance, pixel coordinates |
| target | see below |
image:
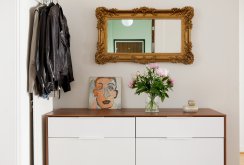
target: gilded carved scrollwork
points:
(144, 59)
(184, 14)
(144, 10)
(102, 58)
(102, 13)
(188, 57)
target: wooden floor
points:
(242, 159)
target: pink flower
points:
(138, 73)
(153, 66)
(172, 81)
(131, 84)
(162, 72)
(134, 76)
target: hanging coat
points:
(58, 49)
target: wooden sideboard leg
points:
(46, 141)
(225, 150)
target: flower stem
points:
(152, 98)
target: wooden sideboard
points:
(133, 137)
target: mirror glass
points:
(144, 36)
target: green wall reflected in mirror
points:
(144, 36)
(138, 31)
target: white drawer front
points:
(91, 127)
(179, 127)
(75, 151)
(180, 151)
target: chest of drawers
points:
(133, 137)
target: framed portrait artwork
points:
(105, 93)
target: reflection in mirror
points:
(167, 36)
(129, 46)
(144, 36)
(132, 36)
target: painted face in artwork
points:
(105, 91)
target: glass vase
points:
(152, 103)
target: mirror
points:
(144, 35)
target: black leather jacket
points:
(66, 72)
(54, 66)
(43, 80)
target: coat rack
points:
(45, 1)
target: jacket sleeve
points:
(32, 70)
(51, 48)
(66, 34)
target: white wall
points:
(15, 118)
(241, 53)
(8, 110)
(40, 107)
(212, 80)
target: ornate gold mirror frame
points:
(185, 14)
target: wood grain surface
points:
(132, 112)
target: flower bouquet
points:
(155, 82)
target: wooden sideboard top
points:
(132, 112)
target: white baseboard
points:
(242, 149)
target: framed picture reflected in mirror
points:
(129, 45)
